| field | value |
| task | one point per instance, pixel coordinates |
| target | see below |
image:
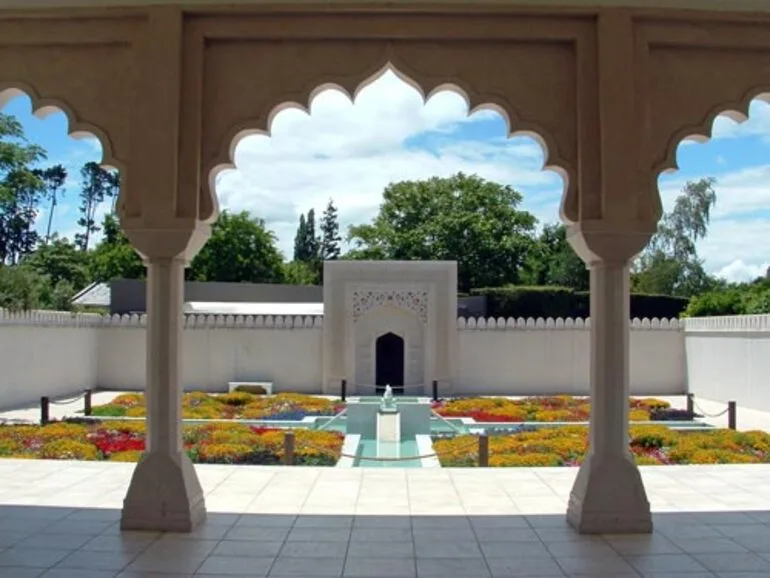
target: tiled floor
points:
(59, 520)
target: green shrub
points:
(109, 410)
(715, 303)
(522, 301)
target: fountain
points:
(387, 426)
(388, 433)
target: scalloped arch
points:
(738, 111)
(76, 127)
(351, 86)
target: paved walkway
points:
(59, 520)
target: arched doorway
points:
(389, 362)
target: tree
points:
(330, 234)
(20, 288)
(299, 273)
(20, 191)
(240, 249)
(53, 180)
(97, 185)
(670, 265)
(462, 218)
(553, 261)
(300, 251)
(114, 257)
(60, 262)
(306, 245)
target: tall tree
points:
(300, 252)
(20, 190)
(670, 264)
(330, 233)
(240, 249)
(98, 184)
(53, 179)
(312, 244)
(463, 218)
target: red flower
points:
(113, 442)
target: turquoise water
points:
(403, 449)
(456, 426)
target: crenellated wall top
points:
(502, 324)
(735, 323)
(68, 319)
(729, 323)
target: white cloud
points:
(739, 271)
(352, 152)
(758, 123)
(743, 191)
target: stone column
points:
(609, 495)
(165, 493)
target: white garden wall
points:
(56, 354)
(217, 350)
(728, 358)
(535, 357)
(46, 353)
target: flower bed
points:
(124, 441)
(544, 409)
(567, 446)
(237, 405)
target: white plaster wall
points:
(217, 352)
(553, 356)
(59, 354)
(728, 359)
(45, 354)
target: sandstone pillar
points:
(165, 493)
(609, 495)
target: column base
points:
(609, 498)
(164, 495)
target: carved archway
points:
(691, 79)
(76, 127)
(492, 62)
(390, 362)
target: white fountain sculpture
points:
(388, 423)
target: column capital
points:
(604, 243)
(178, 239)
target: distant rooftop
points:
(225, 308)
(95, 295)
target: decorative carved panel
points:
(414, 300)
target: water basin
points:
(406, 448)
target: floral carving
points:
(414, 300)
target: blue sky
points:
(350, 152)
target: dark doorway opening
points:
(389, 360)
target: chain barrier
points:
(69, 400)
(710, 415)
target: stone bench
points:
(266, 385)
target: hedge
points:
(521, 301)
